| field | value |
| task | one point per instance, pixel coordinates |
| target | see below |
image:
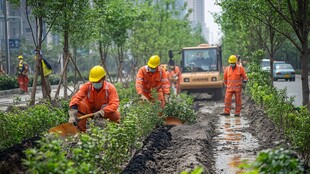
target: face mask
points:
(233, 65)
(172, 67)
(97, 85)
(152, 70)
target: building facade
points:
(197, 17)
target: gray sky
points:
(215, 32)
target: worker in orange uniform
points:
(152, 77)
(22, 77)
(175, 76)
(96, 96)
(234, 76)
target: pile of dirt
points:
(262, 127)
(187, 147)
(11, 158)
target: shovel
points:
(172, 121)
(67, 129)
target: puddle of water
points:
(234, 144)
(206, 109)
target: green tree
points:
(297, 15)
(41, 13)
(258, 18)
(70, 22)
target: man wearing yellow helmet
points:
(234, 76)
(96, 96)
(153, 77)
(22, 77)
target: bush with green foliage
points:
(274, 161)
(19, 125)
(8, 82)
(181, 106)
(294, 122)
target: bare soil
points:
(173, 149)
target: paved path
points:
(12, 97)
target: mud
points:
(194, 145)
(11, 158)
(173, 149)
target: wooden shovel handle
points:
(86, 116)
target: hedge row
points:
(294, 121)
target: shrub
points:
(275, 161)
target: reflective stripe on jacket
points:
(106, 99)
(22, 67)
(233, 78)
(147, 81)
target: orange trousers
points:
(86, 108)
(228, 97)
(23, 83)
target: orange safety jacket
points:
(106, 99)
(233, 78)
(147, 81)
(176, 72)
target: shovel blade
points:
(172, 121)
(64, 130)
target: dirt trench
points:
(173, 149)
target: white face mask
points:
(97, 85)
(152, 70)
(233, 65)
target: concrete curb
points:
(16, 90)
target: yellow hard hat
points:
(232, 59)
(96, 73)
(154, 61)
(20, 57)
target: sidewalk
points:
(12, 96)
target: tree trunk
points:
(103, 51)
(304, 74)
(38, 61)
(61, 78)
(66, 56)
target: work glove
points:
(167, 96)
(244, 84)
(143, 98)
(73, 116)
(99, 114)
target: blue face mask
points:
(152, 70)
(97, 85)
